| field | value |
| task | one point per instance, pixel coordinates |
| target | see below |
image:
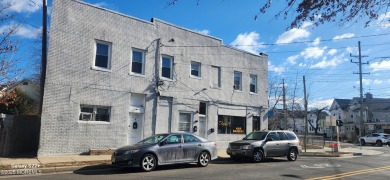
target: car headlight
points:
(246, 147)
(131, 151)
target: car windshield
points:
(153, 139)
(256, 136)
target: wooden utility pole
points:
(284, 108)
(361, 90)
(44, 54)
(305, 104)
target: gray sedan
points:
(161, 149)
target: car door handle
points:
(180, 146)
(199, 144)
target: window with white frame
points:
(138, 62)
(94, 113)
(253, 83)
(195, 69)
(185, 122)
(166, 67)
(215, 76)
(237, 80)
(102, 54)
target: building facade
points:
(113, 80)
(375, 116)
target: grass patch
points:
(83, 163)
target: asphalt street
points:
(313, 168)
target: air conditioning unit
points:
(86, 116)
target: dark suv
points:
(263, 144)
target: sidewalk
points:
(75, 162)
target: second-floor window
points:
(138, 61)
(195, 69)
(215, 76)
(253, 83)
(237, 80)
(166, 67)
(102, 55)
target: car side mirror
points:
(162, 143)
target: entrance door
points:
(135, 128)
(202, 127)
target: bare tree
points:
(322, 11)
(10, 71)
(320, 116)
(275, 94)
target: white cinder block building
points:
(113, 80)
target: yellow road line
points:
(353, 173)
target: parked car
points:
(262, 144)
(376, 139)
(161, 149)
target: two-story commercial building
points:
(113, 80)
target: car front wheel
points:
(379, 143)
(292, 155)
(204, 159)
(148, 162)
(258, 156)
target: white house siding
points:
(72, 82)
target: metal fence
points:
(314, 141)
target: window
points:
(237, 81)
(94, 113)
(202, 108)
(185, 122)
(290, 136)
(195, 69)
(138, 60)
(274, 136)
(174, 139)
(282, 136)
(190, 138)
(166, 68)
(253, 83)
(215, 77)
(103, 55)
(231, 124)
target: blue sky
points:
(321, 54)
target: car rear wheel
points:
(148, 162)
(379, 143)
(204, 159)
(258, 156)
(362, 142)
(292, 155)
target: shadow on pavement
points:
(107, 169)
(246, 161)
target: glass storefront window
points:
(231, 125)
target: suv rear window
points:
(291, 136)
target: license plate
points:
(113, 160)
(234, 152)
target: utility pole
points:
(284, 106)
(157, 81)
(361, 90)
(305, 104)
(44, 54)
